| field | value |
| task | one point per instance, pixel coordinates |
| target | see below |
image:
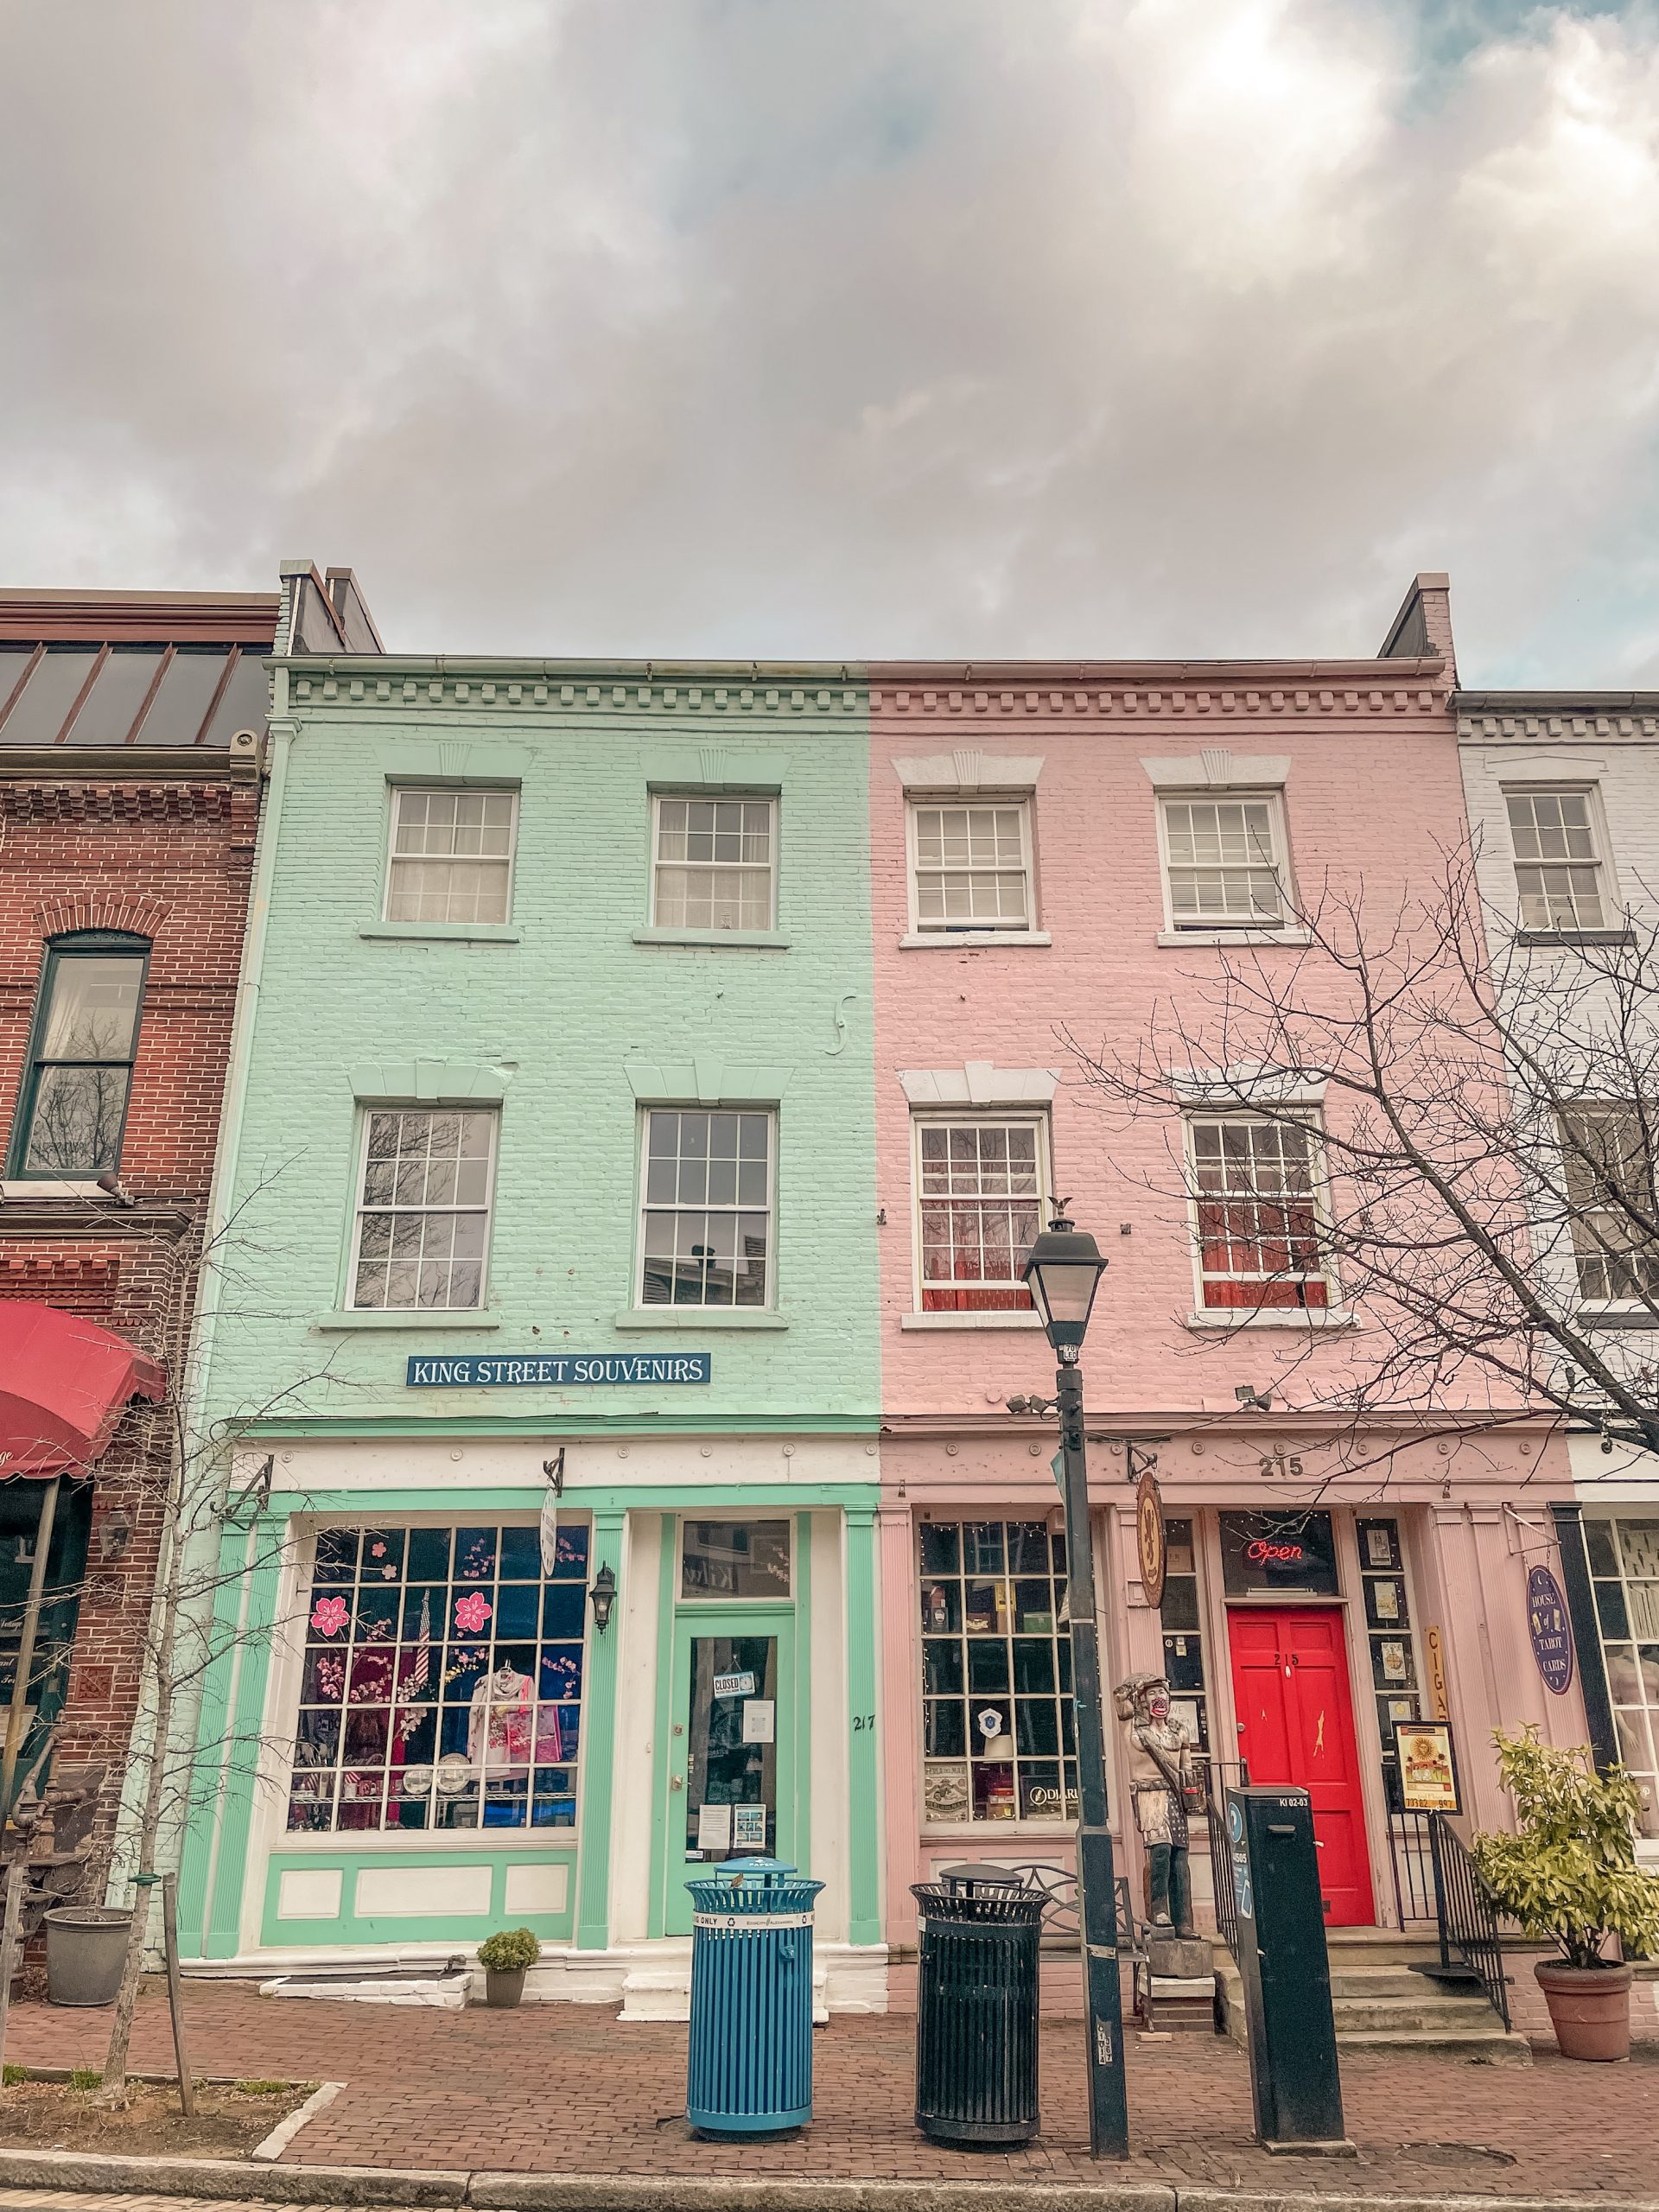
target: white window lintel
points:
(1249, 1083)
(968, 771)
(979, 1083)
(1574, 770)
(1216, 769)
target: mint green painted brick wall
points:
(558, 1014)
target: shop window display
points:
(1625, 1561)
(441, 1682)
(1388, 1635)
(997, 1725)
(1181, 1620)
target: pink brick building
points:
(1050, 846)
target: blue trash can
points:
(749, 2064)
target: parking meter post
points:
(1108, 2112)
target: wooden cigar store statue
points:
(1161, 1775)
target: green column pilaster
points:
(864, 1869)
(599, 1755)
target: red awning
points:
(64, 1383)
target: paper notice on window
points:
(714, 1828)
(734, 1685)
(748, 1828)
(759, 1724)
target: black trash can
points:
(977, 2007)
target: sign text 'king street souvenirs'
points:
(555, 1369)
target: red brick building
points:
(131, 730)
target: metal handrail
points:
(1466, 1916)
(1221, 1877)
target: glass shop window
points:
(1389, 1635)
(1182, 1619)
(1624, 1562)
(734, 1559)
(441, 1685)
(997, 1727)
(1263, 1553)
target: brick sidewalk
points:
(565, 2088)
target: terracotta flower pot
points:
(504, 1987)
(1589, 2008)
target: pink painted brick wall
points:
(1373, 790)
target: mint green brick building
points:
(549, 1294)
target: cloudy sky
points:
(848, 328)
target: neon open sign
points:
(1262, 1553)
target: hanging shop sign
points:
(1150, 1539)
(1428, 1767)
(557, 1369)
(1550, 1629)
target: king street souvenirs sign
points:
(556, 1371)
(1552, 1633)
(1150, 1539)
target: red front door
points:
(1296, 1730)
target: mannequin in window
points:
(1160, 1773)
(501, 1723)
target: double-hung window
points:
(980, 1182)
(706, 1234)
(970, 865)
(1224, 861)
(451, 858)
(1558, 862)
(424, 1210)
(714, 864)
(1607, 1154)
(1256, 1204)
(80, 1071)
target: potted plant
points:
(1568, 1876)
(506, 1957)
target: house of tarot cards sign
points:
(556, 1371)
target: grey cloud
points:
(774, 325)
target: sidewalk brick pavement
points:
(566, 2088)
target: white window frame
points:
(930, 932)
(715, 797)
(1585, 1301)
(1601, 862)
(642, 1207)
(367, 1109)
(1197, 928)
(979, 1117)
(1290, 1315)
(436, 785)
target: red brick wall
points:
(170, 861)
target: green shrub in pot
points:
(1568, 1876)
(509, 1950)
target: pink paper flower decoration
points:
(472, 1611)
(329, 1616)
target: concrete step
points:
(1486, 2047)
(1373, 2012)
(662, 1992)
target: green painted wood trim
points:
(657, 1903)
(439, 1426)
(251, 1665)
(864, 1825)
(348, 1926)
(599, 1744)
(804, 1663)
(212, 1750)
(658, 1498)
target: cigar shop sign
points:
(556, 1371)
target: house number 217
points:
(862, 1721)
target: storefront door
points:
(1296, 1731)
(731, 1763)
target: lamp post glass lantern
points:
(1063, 1271)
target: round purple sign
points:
(1551, 1632)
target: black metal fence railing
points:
(1468, 1924)
(1411, 1856)
(1221, 1877)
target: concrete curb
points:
(227, 2180)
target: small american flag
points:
(420, 1673)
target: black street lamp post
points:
(1063, 1272)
